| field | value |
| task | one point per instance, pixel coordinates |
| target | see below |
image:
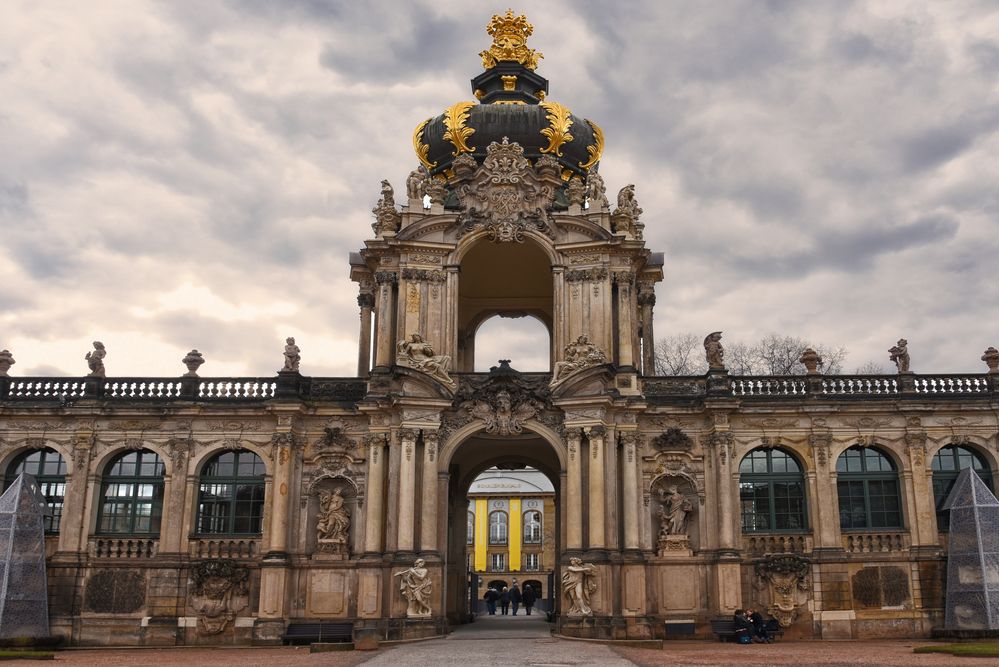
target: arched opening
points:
(499, 488)
(507, 279)
(522, 340)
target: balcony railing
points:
(124, 548)
(870, 543)
(760, 544)
(234, 548)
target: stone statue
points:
(292, 356)
(578, 355)
(415, 187)
(193, 361)
(387, 219)
(990, 357)
(596, 191)
(435, 190)
(95, 360)
(900, 355)
(627, 203)
(811, 359)
(419, 354)
(576, 191)
(625, 216)
(6, 361)
(578, 583)
(714, 352)
(333, 521)
(674, 512)
(417, 587)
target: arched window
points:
(532, 527)
(497, 528)
(231, 495)
(49, 470)
(867, 484)
(771, 492)
(132, 495)
(470, 529)
(947, 464)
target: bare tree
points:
(773, 354)
(871, 367)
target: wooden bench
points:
(318, 632)
(724, 629)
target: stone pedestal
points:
(674, 546)
(330, 550)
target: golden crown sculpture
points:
(510, 35)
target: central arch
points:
(469, 452)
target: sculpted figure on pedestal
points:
(625, 217)
(419, 355)
(416, 587)
(6, 361)
(333, 520)
(900, 355)
(674, 513)
(416, 184)
(576, 191)
(596, 191)
(292, 356)
(578, 355)
(95, 360)
(578, 583)
(387, 219)
(714, 352)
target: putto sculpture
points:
(714, 352)
(6, 361)
(579, 354)
(418, 354)
(332, 522)
(95, 360)
(416, 184)
(193, 361)
(578, 584)
(292, 356)
(900, 355)
(416, 587)
(596, 191)
(626, 215)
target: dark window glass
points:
(132, 495)
(49, 470)
(231, 495)
(946, 465)
(868, 490)
(771, 492)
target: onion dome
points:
(511, 102)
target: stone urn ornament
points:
(990, 357)
(811, 360)
(193, 361)
(6, 361)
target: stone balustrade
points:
(126, 548)
(232, 548)
(868, 543)
(760, 544)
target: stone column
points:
(411, 287)
(824, 515)
(384, 325)
(172, 530)
(428, 508)
(625, 319)
(574, 490)
(73, 526)
(646, 301)
(375, 494)
(922, 519)
(407, 489)
(366, 302)
(280, 501)
(558, 317)
(722, 443)
(595, 436)
(632, 503)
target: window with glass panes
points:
(947, 463)
(132, 495)
(532, 562)
(497, 527)
(231, 495)
(532, 527)
(771, 492)
(867, 485)
(497, 562)
(470, 529)
(49, 470)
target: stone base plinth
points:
(674, 546)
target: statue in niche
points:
(578, 583)
(416, 587)
(674, 512)
(418, 354)
(596, 191)
(900, 355)
(332, 522)
(579, 354)
(714, 352)
(292, 356)
(416, 184)
(95, 360)
(6, 361)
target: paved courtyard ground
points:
(508, 641)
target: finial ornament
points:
(510, 35)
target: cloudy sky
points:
(193, 174)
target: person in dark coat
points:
(515, 598)
(505, 600)
(528, 598)
(491, 597)
(759, 625)
(743, 626)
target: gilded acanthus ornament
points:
(6, 361)
(597, 149)
(578, 355)
(457, 133)
(510, 35)
(387, 218)
(421, 148)
(419, 355)
(559, 121)
(506, 195)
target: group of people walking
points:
(508, 597)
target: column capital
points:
(595, 432)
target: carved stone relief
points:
(781, 583)
(219, 591)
